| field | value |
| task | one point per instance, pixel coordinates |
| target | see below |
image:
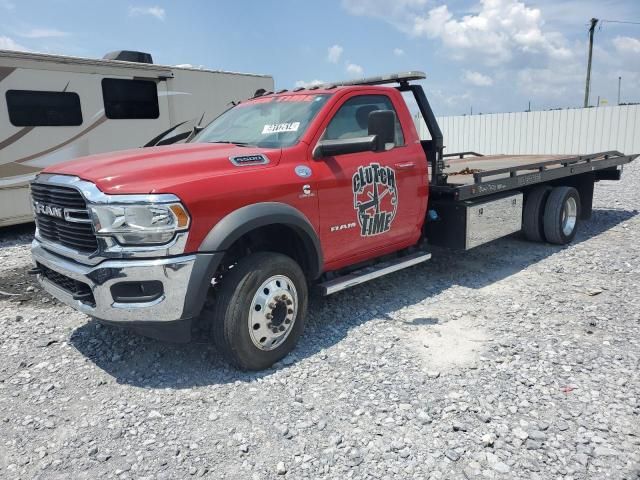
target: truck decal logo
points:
(375, 198)
(303, 171)
(49, 210)
(242, 160)
(344, 226)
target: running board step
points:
(369, 273)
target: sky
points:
(483, 56)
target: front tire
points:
(259, 310)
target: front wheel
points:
(259, 310)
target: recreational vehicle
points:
(55, 108)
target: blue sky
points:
(492, 55)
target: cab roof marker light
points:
(400, 77)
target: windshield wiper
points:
(239, 144)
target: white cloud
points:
(190, 65)
(627, 44)
(354, 69)
(312, 83)
(498, 32)
(477, 79)
(398, 52)
(44, 33)
(155, 11)
(7, 5)
(7, 43)
(334, 53)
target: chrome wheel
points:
(273, 312)
(569, 216)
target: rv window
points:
(31, 108)
(126, 99)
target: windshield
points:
(270, 122)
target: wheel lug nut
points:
(290, 310)
(275, 330)
(268, 316)
(272, 305)
(282, 329)
(289, 302)
(269, 325)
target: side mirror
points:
(331, 148)
(382, 124)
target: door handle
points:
(405, 165)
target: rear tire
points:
(561, 215)
(533, 213)
(259, 310)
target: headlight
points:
(155, 223)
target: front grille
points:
(79, 291)
(76, 235)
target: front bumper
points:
(175, 274)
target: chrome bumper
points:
(174, 273)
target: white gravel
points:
(514, 360)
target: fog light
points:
(137, 292)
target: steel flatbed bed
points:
(470, 175)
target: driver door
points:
(365, 200)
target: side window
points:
(32, 108)
(130, 99)
(351, 120)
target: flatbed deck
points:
(471, 175)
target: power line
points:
(620, 21)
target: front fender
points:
(240, 222)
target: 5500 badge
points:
(375, 198)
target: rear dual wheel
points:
(533, 213)
(561, 215)
(551, 214)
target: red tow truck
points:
(326, 187)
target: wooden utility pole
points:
(594, 22)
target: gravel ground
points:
(513, 360)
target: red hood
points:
(157, 169)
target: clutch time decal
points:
(375, 198)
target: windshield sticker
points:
(280, 127)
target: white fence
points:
(569, 131)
